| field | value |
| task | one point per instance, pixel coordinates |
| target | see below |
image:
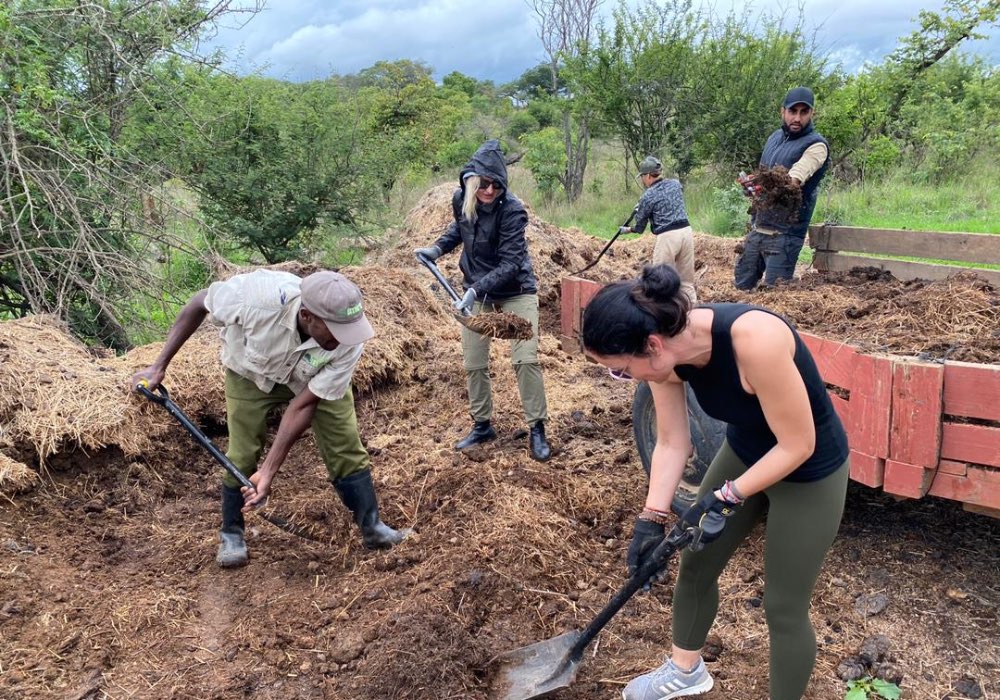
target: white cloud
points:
(486, 40)
(308, 39)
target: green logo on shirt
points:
(314, 361)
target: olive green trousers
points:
(524, 358)
(335, 427)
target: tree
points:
(70, 243)
(564, 27)
(938, 35)
(675, 82)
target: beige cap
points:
(335, 299)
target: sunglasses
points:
(622, 374)
(486, 184)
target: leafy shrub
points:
(546, 159)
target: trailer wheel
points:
(707, 435)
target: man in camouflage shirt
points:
(661, 207)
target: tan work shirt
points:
(257, 312)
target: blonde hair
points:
(470, 201)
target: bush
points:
(546, 159)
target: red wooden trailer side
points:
(915, 428)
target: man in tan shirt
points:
(286, 341)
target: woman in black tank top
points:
(784, 461)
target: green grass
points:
(970, 204)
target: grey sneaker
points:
(668, 681)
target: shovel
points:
(162, 397)
(605, 248)
(497, 325)
(542, 668)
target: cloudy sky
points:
(308, 39)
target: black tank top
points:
(718, 389)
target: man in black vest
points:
(772, 247)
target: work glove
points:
(624, 229)
(747, 184)
(710, 515)
(465, 303)
(431, 253)
(646, 535)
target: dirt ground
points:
(109, 589)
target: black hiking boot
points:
(232, 547)
(357, 491)
(540, 449)
(482, 431)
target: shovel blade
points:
(537, 670)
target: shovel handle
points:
(678, 538)
(613, 239)
(162, 397)
(429, 264)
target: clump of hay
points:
(57, 395)
(15, 477)
(499, 324)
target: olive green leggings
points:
(802, 521)
(335, 427)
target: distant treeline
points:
(102, 102)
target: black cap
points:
(799, 95)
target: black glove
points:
(431, 252)
(645, 536)
(710, 515)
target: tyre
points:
(707, 435)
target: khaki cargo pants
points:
(335, 427)
(524, 357)
(676, 248)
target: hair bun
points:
(660, 283)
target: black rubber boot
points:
(358, 493)
(232, 546)
(540, 449)
(482, 431)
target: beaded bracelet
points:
(655, 516)
(730, 494)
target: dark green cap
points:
(650, 165)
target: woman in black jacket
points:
(489, 225)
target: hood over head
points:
(487, 161)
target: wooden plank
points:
(981, 510)
(915, 434)
(972, 390)
(867, 470)
(834, 359)
(842, 407)
(982, 248)
(900, 269)
(946, 466)
(978, 444)
(870, 421)
(570, 346)
(569, 306)
(979, 489)
(587, 291)
(910, 480)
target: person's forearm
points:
(185, 325)
(810, 162)
(666, 469)
(296, 419)
(775, 465)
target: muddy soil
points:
(109, 589)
